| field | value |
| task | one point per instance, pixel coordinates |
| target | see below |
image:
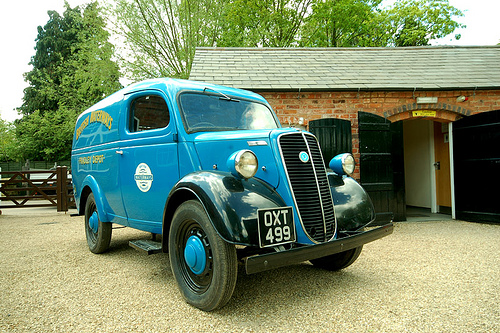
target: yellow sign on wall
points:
(424, 113)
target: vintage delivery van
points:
(211, 170)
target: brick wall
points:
(294, 108)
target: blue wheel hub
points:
(94, 222)
(194, 255)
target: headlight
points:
(243, 164)
(343, 164)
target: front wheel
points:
(338, 261)
(98, 233)
(204, 265)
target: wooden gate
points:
(43, 188)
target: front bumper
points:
(264, 262)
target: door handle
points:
(120, 152)
(437, 165)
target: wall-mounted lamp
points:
(462, 99)
(427, 100)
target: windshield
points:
(207, 112)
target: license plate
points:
(276, 226)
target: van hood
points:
(215, 148)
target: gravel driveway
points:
(425, 277)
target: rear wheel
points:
(338, 261)
(98, 233)
(204, 265)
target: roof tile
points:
(441, 67)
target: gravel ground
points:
(425, 277)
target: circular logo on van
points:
(304, 157)
(143, 177)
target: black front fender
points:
(230, 203)
(353, 207)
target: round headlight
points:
(343, 164)
(245, 163)
(348, 164)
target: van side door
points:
(149, 164)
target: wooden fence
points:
(41, 188)
(33, 165)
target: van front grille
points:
(309, 183)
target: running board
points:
(146, 245)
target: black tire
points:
(98, 240)
(213, 284)
(338, 261)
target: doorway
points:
(427, 166)
(442, 167)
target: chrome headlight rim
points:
(245, 163)
(348, 164)
(343, 164)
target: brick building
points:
(419, 90)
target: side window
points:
(148, 113)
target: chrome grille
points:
(309, 185)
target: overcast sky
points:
(19, 20)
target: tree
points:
(342, 23)
(161, 35)
(53, 47)
(92, 74)
(263, 23)
(72, 70)
(7, 141)
(46, 137)
(415, 22)
(363, 23)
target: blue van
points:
(211, 172)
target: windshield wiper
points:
(224, 96)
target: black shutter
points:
(476, 159)
(382, 165)
(334, 136)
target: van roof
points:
(174, 86)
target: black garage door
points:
(476, 159)
(381, 161)
(382, 165)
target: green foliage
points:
(8, 141)
(161, 35)
(342, 23)
(415, 22)
(356, 23)
(47, 136)
(265, 23)
(53, 47)
(72, 70)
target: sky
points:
(19, 20)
